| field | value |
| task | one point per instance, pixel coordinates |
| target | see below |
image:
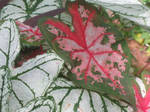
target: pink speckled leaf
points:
(95, 63)
(33, 34)
(142, 103)
(143, 97)
(29, 36)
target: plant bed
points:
(73, 56)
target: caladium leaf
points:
(30, 89)
(142, 103)
(24, 9)
(63, 96)
(9, 48)
(89, 49)
(33, 77)
(19, 85)
(29, 36)
(130, 9)
(142, 94)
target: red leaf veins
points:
(32, 34)
(98, 61)
(142, 103)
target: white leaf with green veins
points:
(63, 96)
(130, 9)
(9, 47)
(9, 43)
(34, 87)
(20, 85)
(33, 77)
(24, 9)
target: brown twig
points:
(3, 3)
(34, 20)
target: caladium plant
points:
(98, 61)
(36, 87)
(17, 84)
(95, 53)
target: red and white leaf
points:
(142, 103)
(142, 94)
(32, 34)
(85, 44)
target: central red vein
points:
(79, 37)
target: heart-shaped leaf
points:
(63, 96)
(20, 85)
(98, 62)
(130, 9)
(9, 48)
(24, 9)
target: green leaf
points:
(30, 80)
(100, 85)
(55, 46)
(22, 84)
(24, 9)
(9, 48)
(130, 9)
(63, 96)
